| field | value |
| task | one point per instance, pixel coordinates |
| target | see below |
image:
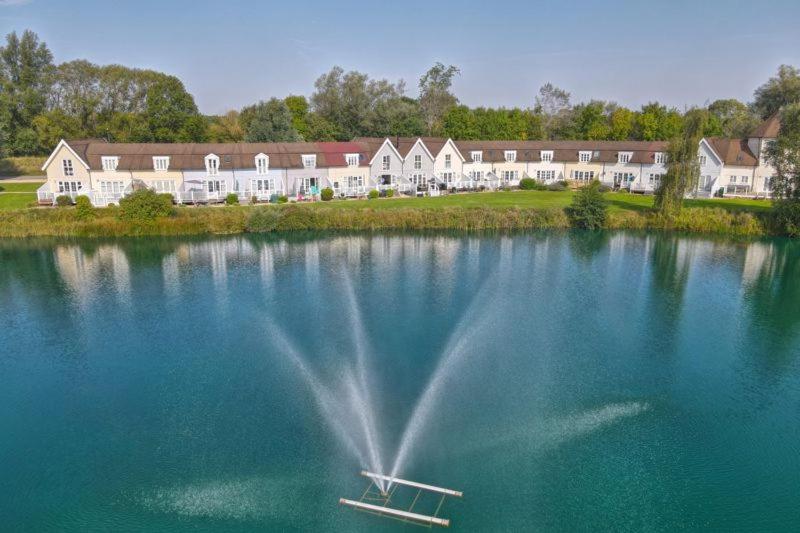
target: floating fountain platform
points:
(376, 499)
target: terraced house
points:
(207, 173)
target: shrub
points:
(527, 184)
(326, 194)
(787, 217)
(389, 193)
(253, 200)
(263, 219)
(373, 194)
(144, 205)
(283, 199)
(557, 186)
(63, 201)
(232, 199)
(84, 209)
(588, 209)
(604, 188)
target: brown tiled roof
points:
(733, 151)
(564, 151)
(769, 128)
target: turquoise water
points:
(605, 382)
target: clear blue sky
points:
(232, 53)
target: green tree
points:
(657, 123)
(269, 121)
(783, 154)
(779, 91)
(435, 96)
(320, 129)
(26, 74)
(620, 124)
(172, 114)
(398, 116)
(588, 208)
(553, 104)
(460, 123)
(226, 128)
(730, 118)
(590, 122)
(298, 107)
(55, 125)
(683, 167)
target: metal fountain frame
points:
(377, 501)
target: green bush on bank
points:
(373, 194)
(145, 205)
(529, 184)
(589, 207)
(389, 193)
(232, 199)
(786, 217)
(84, 210)
(63, 201)
(326, 194)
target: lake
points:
(584, 381)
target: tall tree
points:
(620, 124)
(269, 121)
(26, 74)
(657, 123)
(459, 123)
(226, 128)
(172, 114)
(435, 96)
(590, 121)
(780, 90)
(735, 118)
(298, 107)
(783, 154)
(554, 106)
(683, 167)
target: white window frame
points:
(583, 175)
(109, 163)
(546, 156)
(654, 178)
(212, 165)
(448, 161)
(702, 160)
(510, 156)
(660, 158)
(624, 157)
(417, 162)
(160, 163)
(70, 186)
(545, 175)
(215, 186)
(112, 186)
(584, 156)
(476, 175)
(162, 186)
(509, 175)
(352, 160)
(68, 168)
(476, 156)
(309, 160)
(386, 162)
(262, 164)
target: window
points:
(623, 178)
(448, 161)
(702, 160)
(69, 186)
(417, 162)
(69, 171)
(510, 156)
(355, 182)
(419, 179)
(584, 157)
(745, 179)
(264, 185)
(447, 177)
(733, 179)
(545, 175)
(160, 163)
(768, 183)
(163, 185)
(109, 163)
(583, 175)
(654, 179)
(546, 156)
(509, 175)
(660, 158)
(624, 157)
(262, 164)
(387, 161)
(111, 187)
(212, 166)
(214, 185)
(476, 175)
(352, 160)
(477, 156)
(310, 161)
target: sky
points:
(233, 53)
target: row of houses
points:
(208, 172)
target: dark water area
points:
(593, 381)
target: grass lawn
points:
(538, 199)
(10, 201)
(19, 187)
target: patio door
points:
(311, 185)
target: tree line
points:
(42, 102)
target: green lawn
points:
(16, 200)
(538, 199)
(19, 187)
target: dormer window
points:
(262, 164)
(584, 156)
(624, 157)
(546, 156)
(448, 161)
(109, 163)
(69, 170)
(702, 160)
(417, 162)
(386, 162)
(352, 160)
(212, 165)
(477, 156)
(510, 156)
(161, 163)
(660, 158)
(310, 161)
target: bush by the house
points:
(144, 205)
(588, 209)
(389, 193)
(232, 199)
(283, 199)
(373, 194)
(787, 217)
(84, 209)
(326, 194)
(527, 184)
(604, 188)
(557, 186)
(63, 201)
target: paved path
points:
(23, 179)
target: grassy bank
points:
(22, 166)
(17, 195)
(484, 211)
